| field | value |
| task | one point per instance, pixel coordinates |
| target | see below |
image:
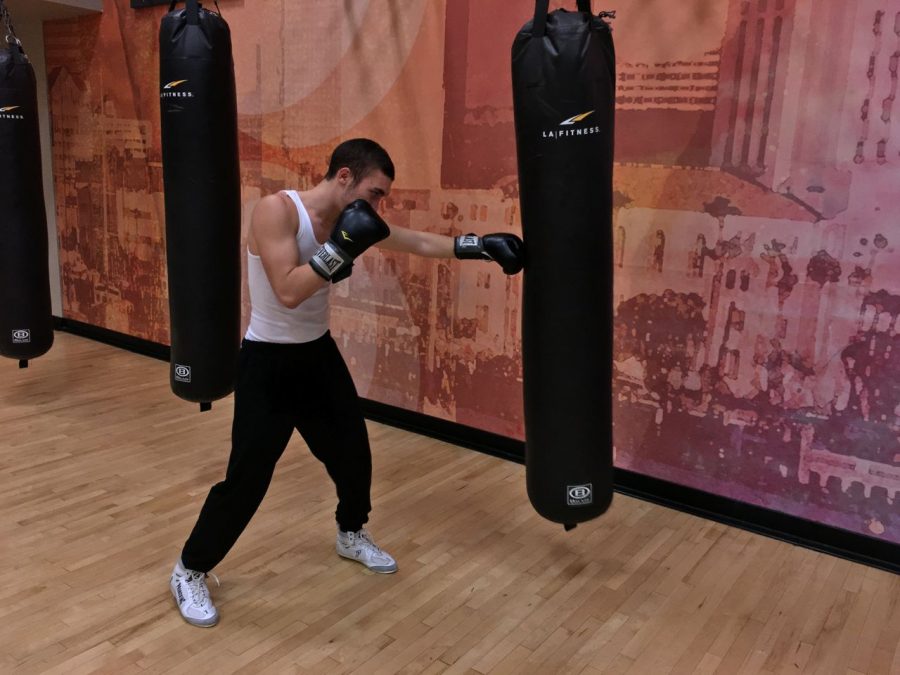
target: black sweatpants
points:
(279, 388)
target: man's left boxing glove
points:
(357, 228)
(505, 249)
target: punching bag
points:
(26, 320)
(563, 70)
(201, 176)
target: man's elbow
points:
(289, 300)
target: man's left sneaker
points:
(359, 546)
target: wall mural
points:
(757, 289)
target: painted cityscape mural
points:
(757, 271)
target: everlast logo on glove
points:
(469, 242)
(329, 257)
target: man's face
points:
(373, 187)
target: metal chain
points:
(7, 22)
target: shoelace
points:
(199, 591)
(366, 537)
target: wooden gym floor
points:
(103, 470)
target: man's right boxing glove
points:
(357, 228)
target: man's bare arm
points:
(275, 237)
(427, 244)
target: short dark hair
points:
(362, 156)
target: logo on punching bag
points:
(575, 132)
(169, 90)
(576, 118)
(21, 336)
(182, 373)
(580, 495)
(6, 113)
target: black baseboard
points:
(810, 534)
(111, 337)
(775, 524)
(451, 432)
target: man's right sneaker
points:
(192, 596)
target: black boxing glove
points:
(507, 250)
(357, 228)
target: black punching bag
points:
(26, 321)
(563, 70)
(201, 175)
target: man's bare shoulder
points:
(277, 207)
(274, 217)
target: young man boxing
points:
(290, 373)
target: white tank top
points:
(270, 321)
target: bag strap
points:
(195, 7)
(541, 7)
(540, 18)
(192, 7)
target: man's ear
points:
(345, 176)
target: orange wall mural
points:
(755, 258)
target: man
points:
(290, 373)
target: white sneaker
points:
(192, 596)
(359, 546)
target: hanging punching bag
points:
(26, 321)
(563, 69)
(203, 201)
